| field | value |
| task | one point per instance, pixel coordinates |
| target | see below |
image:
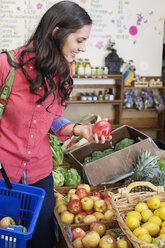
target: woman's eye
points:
(79, 41)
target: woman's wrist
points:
(75, 130)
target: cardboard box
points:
(115, 164)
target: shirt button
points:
(31, 136)
(38, 106)
(29, 152)
(24, 164)
(34, 121)
(40, 88)
(31, 67)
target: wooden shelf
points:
(112, 76)
(115, 102)
(134, 109)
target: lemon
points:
(155, 219)
(146, 214)
(145, 238)
(162, 230)
(162, 204)
(162, 213)
(153, 202)
(140, 230)
(162, 236)
(156, 212)
(140, 206)
(132, 222)
(163, 224)
(135, 214)
(152, 228)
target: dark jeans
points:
(43, 236)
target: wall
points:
(136, 26)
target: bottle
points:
(110, 94)
(94, 96)
(74, 67)
(106, 95)
(105, 71)
(100, 95)
(93, 72)
(99, 72)
(80, 68)
(87, 70)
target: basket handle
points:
(5, 176)
(135, 184)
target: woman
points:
(41, 86)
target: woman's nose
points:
(82, 48)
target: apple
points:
(71, 192)
(89, 218)
(79, 217)
(61, 208)
(99, 216)
(128, 241)
(112, 233)
(108, 194)
(59, 202)
(107, 241)
(58, 196)
(77, 243)
(77, 232)
(100, 206)
(94, 198)
(74, 206)
(24, 228)
(5, 221)
(84, 186)
(102, 127)
(108, 202)
(91, 239)
(98, 194)
(74, 196)
(67, 217)
(82, 193)
(109, 215)
(98, 227)
(87, 203)
(122, 243)
(89, 212)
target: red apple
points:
(107, 241)
(91, 239)
(100, 206)
(98, 194)
(4, 222)
(99, 216)
(67, 217)
(89, 212)
(89, 218)
(77, 232)
(109, 215)
(77, 243)
(74, 206)
(79, 217)
(87, 203)
(84, 186)
(108, 202)
(102, 127)
(108, 194)
(98, 227)
(82, 193)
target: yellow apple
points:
(4, 222)
(61, 208)
(109, 215)
(91, 239)
(100, 206)
(99, 216)
(67, 217)
(87, 203)
(89, 218)
(85, 186)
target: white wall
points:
(112, 19)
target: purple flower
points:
(99, 44)
(39, 5)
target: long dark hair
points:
(49, 60)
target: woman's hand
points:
(86, 132)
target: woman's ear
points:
(54, 31)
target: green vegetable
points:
(161, 165)
(72, 177)
(87, 160)
(97, 154)
(63, 171)
(57, 152)
(108, 151)
(58, 178)
(123, 143)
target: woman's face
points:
(75, 43)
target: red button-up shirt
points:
(24, 143)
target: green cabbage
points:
(72, 178)
(57, 152)
(58, 178)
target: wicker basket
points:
(126, 200)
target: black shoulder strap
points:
(6, 88)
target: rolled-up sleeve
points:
(57, 125)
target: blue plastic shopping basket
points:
(22, 203)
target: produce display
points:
(147, 220)
(100, 154)
(81, 205)
(66, 177)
